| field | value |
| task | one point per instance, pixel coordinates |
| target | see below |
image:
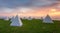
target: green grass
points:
(30, 26)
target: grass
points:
(30, 26)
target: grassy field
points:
(30, 26)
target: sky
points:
(33, 8)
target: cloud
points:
(16, 10)
(14, 3)
(6, 10)
(44, 2)
(9, 6)
(24, 9)
(58, 6)
(26, 3)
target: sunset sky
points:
(34, 8)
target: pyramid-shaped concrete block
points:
(47, 19)
(16, 21)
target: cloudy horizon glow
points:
(34, 8)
